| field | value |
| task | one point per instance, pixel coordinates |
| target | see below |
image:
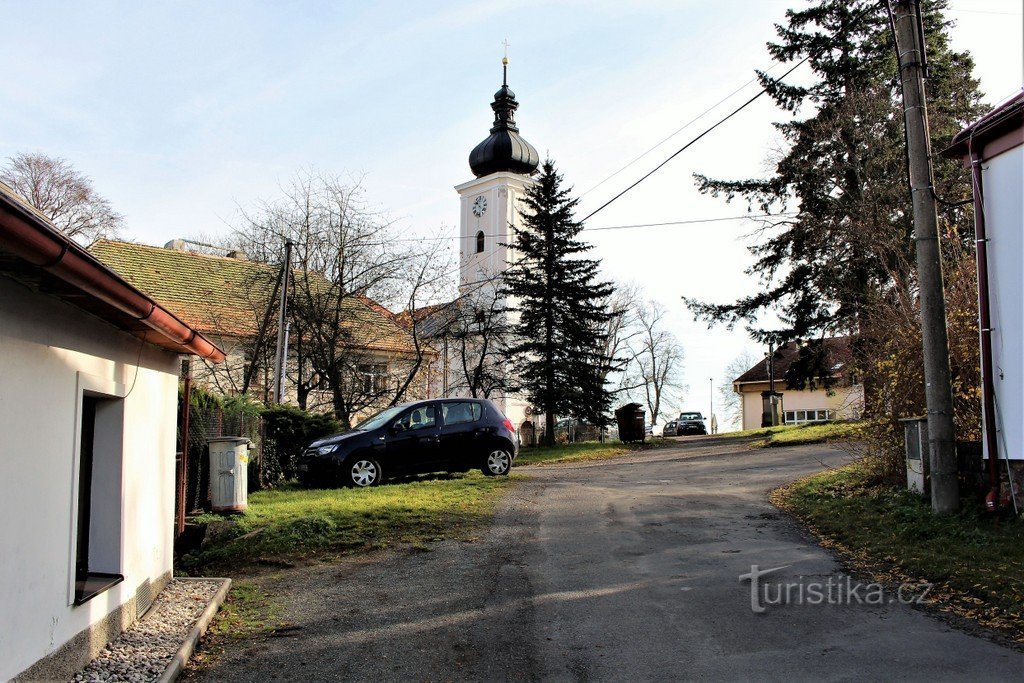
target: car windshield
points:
(380, 419)
(691, 416)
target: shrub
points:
(287, 431)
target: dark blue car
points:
(439, 435)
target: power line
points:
(689, 144)
(694, 221)
(751, 216)
(743, 106)
(679, 130)
(746, 216)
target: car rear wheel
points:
(497, 463)
(363, 472)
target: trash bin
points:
(229, 473)
(630, 419)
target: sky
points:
(182, 112)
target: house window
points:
(795, 417)
(373, 378)
(480, 242)
(98, 524)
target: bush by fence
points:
(287, 431)
(278, 435)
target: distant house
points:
(993, 147)
(227, 299)
(88, 409)
(843, 399)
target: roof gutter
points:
(28, 235)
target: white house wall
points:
(49, 352)
(1003, 178)
(846, 403)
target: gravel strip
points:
(143, 651)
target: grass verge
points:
(588, 450)
(798, 435)
(292, 524)
(975, 560)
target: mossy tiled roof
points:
(229, 297)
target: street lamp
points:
(711, 395)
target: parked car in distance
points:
(671, 428)
(439, 435)
(691, 423)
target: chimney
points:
(176, 245)
(238, 254)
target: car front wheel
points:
(497, 463)
(363, 472)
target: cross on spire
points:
(504, 63)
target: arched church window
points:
(480, 242)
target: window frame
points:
(407, 417)
(108, 571)
(477, 410)
(481, 242)
(799, 416)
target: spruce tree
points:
(559, 301)
(844, 173)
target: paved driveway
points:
(615, 570)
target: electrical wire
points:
(607, 227)
(138, 364)
(692, 142)
(493, 277)
(679, 130)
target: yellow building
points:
(842, 400)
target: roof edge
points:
(27, 234)
(1006, 116)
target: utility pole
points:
(769, 401)
(906, 18)
(281, 357)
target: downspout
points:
(985, 331)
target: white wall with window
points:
(88, 417)
(803, 406)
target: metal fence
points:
(208, 421)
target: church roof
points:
(504, 149)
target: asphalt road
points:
(616, 570)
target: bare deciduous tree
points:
(349, 352)
(732, 403)
(621, 327)
(62, 194)
(654, 370)
(480, 335)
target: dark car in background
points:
(671, 428)
(691, 423)
(440, 435)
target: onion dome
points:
(504, 149)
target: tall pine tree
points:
(559, 301)
(844, 172)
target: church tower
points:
(502, 164)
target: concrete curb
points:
(181, 657)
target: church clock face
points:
(479, 206)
